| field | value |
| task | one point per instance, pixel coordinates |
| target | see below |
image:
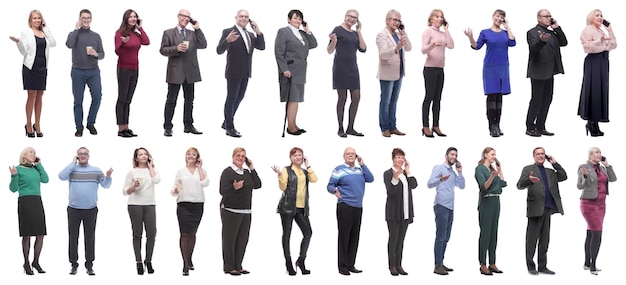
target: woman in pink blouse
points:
(594, 94)
(434, 44)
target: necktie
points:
(182, 34)
(247, 39)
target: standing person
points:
(488, 174)
(139, 187)
(240, 44)
(593, 105)
(593, 178)
(444, 180)
(26, 180)
(496, 79)
(399, 213)
(543, 200)
(84, 180)
(434, 44)
(347, 183)
(291, 50)
(345, 69)
(294, 180)
(181, 46)
(128, 40)
(34, 44)
(392, 42)
(189, 191)
(236, 185)
(544, 61)
(87, 50)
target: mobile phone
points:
(252, 25)
(552, 21)
(36, 159)
(497, 162)
(247, 161)
(605, 23)
(192, 21)
(138, 21)
(445, 23)
(401, 27)
(603, 158)
(149, 160)
(304, 24)
(548, 157)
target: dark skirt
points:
(32, 219)
(34, 79)
(594, 94)
(290, 92)
(189, 216)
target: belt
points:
(491, 195)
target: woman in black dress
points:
(345, 69)
(26, 179)
(34, 44)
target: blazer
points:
(291, 54)
(394, 207)
(239, 59)
(536, 198)
(28, 46)
(544, 59)
(388, 59)
(182, 66)
(589, 184)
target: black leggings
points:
(433, 83)
(305, 226)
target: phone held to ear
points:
(252, 25)
(247, 161)
(603, 158)
(192, 21)
(605, 23)
(304, 24)
(36, 159)
(401, 27)
(552, 21)
(445, 23)
(138, 21)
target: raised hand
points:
(533, 179)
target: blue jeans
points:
(91, 78)
(443, 221)
(236, 90)
(389, 92)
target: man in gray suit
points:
(543, 200)
(544, 61)
(180, 45)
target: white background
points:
(259, 119)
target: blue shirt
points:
(350, 181)
(84, 182)
(445, 189)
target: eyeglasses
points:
(396, 20)
(545, 16)
(349, 153)
(184, 16)
(83, 154)
(352, 17)
(85, 18)
(244, 16)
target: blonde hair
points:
(30, 18)
(392, 12)
(194, 150)
(591, 151)
(23, 153)
(237, 150)
(486, 151)
(432, 14)
(591, 15)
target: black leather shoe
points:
(90, 271)
(344, 272)
(233, 133)
(533, 133)
(352, 132)
(354, 270)
(78, 133)
(533, 272)
(296, 133)
(192, 130)
(131, 132)
(92, 129)
(546, 133)
(168, 132)
(124, 134)
(74, 270)
(447, 268)
(546, 271)
(302, 131)
(494, 270)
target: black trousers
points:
(88, 218)
(170, 104)
(235, 234)
(126, 84)
(143, 216)
(395, 244)
(349, 227)
(305, 226)
(538, 230)
(540, 100)
(236, 90)
(433, 83)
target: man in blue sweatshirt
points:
(84, 180)
(347, 183)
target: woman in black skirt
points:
(594, 95)
(189, 189)
(34, 44)
(26, 179)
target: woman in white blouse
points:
(189, 189)
(139, 187)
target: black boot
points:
(498, 114)
(594, 129)
(493, 128)
(300, 264)
(598, 131)
(139, 268)
(289, 266)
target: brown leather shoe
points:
(440, 270)
(397, 132)
(386, 134)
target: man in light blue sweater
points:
(84, 180)
(347, 183)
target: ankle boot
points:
(597, 127)
(139, 268)
(289, 267)
(300, 264)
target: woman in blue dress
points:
(496, 83)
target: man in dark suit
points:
(544, 61)
(240, 45)
(543, 200)
(180, 45)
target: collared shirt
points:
(297, 33)
(405, 192)
(445, 189)
(246, 37)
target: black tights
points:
(355, 97)
(187, 243)
(37, 247)
(592, 248)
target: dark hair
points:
(397, 151)
(84, 11)
(125, 29)
(451, 149)
(500, 12)
(136, 153)
(297, 12)
(537, 149)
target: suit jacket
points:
(544, 59)
(182, 66)
(28, 46)
(238, 59)
(536, 198)
(291, 54)
(394, 208)
(589, 185)
(388, 59)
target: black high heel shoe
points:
(427, 135)
(36, 132)
(38, 268)
(300, 264)
(289, 267)
(30, 135)
(296, 133)
(151, 270)
(437, 131)
(28, 270)
(139, 268)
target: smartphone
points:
(497, 162)
(304, 24)
(192, 21)
(138, 21)
(247, 161)
(603, 158)
(358, 24)
(552, 21)
(252, 25)
(149, 160)
(445, 23)
(605, 23)
(36, 159)
(401, 27)
(548, 157)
